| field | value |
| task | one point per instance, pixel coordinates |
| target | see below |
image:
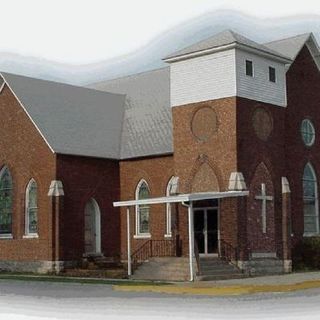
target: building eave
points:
(230, 46)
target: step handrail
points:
(153, 248)
(197, 255)
(229, 252)
(141, 254)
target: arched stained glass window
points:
(31, 208)
(142, 211)
(310, 201)
(6, 198)
(171, 190)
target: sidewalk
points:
(278, 283)
(283, 279)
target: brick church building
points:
(213, 157)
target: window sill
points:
(30, 236)
(6, 236)
(142, 236)
(168, 235)
(311, 234)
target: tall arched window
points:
(171, 190)
(310, 201)
(31, 219)
(6, 197)
(142, 211)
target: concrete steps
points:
(177, 269)
(166, 268)
(97, 266)
(265, 266)
(213, 268)
(99, 262)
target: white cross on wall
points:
(264, 198)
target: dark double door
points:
(206, 230)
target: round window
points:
(307, 132)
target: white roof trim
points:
(25, 110)
(314, 49)
(182, 198)
(2, 86)
(229, 47)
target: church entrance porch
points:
(207, 228)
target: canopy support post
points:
(128, 242)
(191, 240)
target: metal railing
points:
(228, 252)
(153, 248)
(197, 255)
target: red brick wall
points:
(84, 178)
(257, 240)
(252, 151)
(218, 153)
(157, 173)
(27, 156)
(303, 86)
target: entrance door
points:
(206, 230)
(92, 236)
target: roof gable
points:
(72, 120)
(222, 39)
(292, 46)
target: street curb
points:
(221, 291)
(80, 280)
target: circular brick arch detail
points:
(262, 122)
(204, 123)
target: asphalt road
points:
(42, 300)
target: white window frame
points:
(138, 234)
(28, 234)
(310, 234)
(6, 235)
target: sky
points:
(81, 32)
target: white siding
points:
(203, 78)
(259, 87)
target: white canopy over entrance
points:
(186, 200)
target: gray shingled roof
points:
(221, 39)
(147, 126)
(289, 46)
(73, 120)
(133, 119)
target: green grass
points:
(63, 279)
